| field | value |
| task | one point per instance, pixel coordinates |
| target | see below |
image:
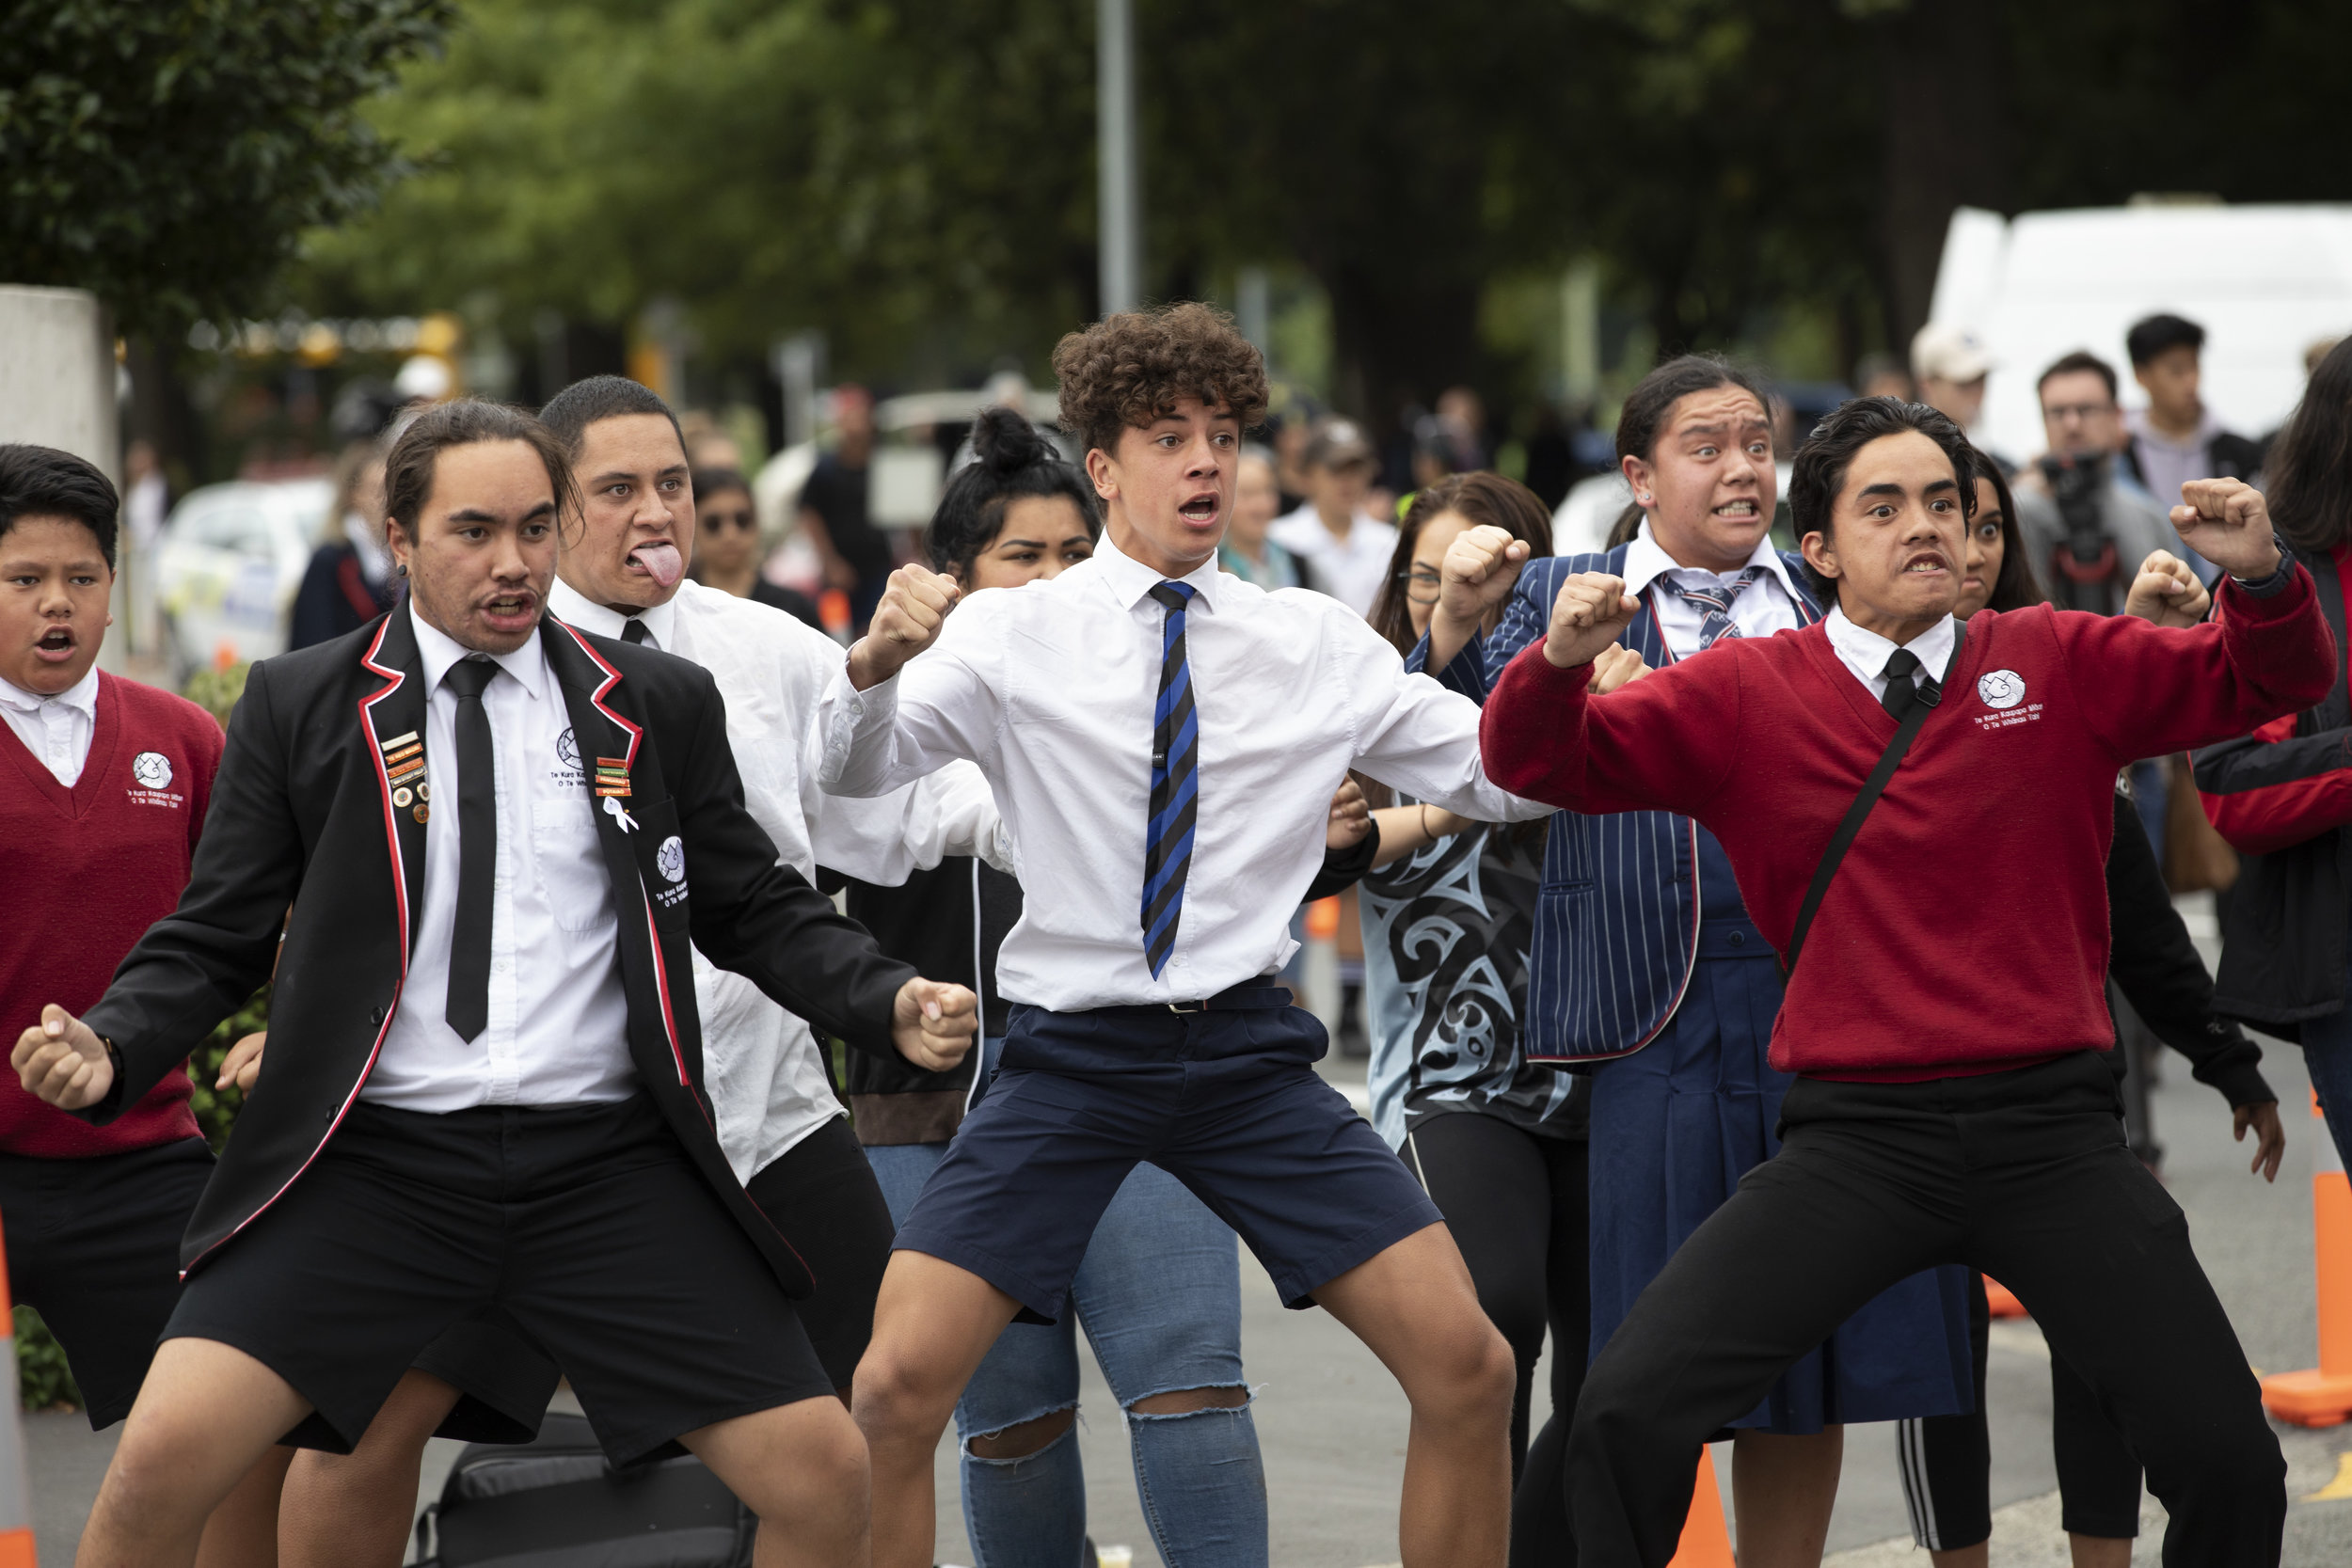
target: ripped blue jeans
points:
(1159, 1295)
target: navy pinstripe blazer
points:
(1617, 918)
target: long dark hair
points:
(1483, 499)
(464, 423)
(1010, 458)
(1650, 402)
(2017, 586)
(2309, 467)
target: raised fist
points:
(914, 605)
(1480, 566)
(2167, 592)
(1591, 610)
(2227, 521)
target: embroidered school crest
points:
(152, 770)
(567, 749)
(2001, 688)
(671, 858)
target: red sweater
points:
(1966, 930)
(2271, 817)
(93, 867)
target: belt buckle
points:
(1187, 1007)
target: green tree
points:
(168, 157)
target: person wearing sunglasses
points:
(726, 546)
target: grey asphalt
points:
(1333, 1424)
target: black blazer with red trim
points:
(302, 815)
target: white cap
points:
(1949, 353)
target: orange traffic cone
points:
(2323, 1398)
(16, 1493)
(1705, 1543)
(2004, 1304)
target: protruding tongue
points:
(661, 561)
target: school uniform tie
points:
(1714, 603)
(1903, 692)
(633, 630)
(467, 1008)
(1175, 764)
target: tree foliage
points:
(169, 157)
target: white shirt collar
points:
(577, 607)
(1130, 580)
(82, 696)
(1866, 651)
(1647, 560)
(528, 664)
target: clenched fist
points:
(1591, 610)
(2167, 592)
(933, 1023)
(61, 1061)
(914, 605)
(2226, 521)
(1614, 667)
(1350, 819)
(1480, 568)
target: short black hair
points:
(1819, 471)
(2081, 359)
(571, 411)
(2160, 333)
(1010, 458)
(42, 482)
(715, 482)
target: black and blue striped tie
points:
(1175, 771)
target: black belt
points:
(1265, 992)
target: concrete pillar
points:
(57, 389)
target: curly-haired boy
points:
(1164, 741)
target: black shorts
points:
(94, 1244)
(588, 1225)
(820, 1191)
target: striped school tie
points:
(1175, 766)
(1714, 604)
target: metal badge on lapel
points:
(613, 776)
(404, 768)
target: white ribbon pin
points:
(619, 813)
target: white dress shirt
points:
(1049, 688)
(1351, 570)
(1764, 607)
(558, 1022)
(764, 1071)
(56, 730)
(1865, 653)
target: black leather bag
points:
(555, 1503)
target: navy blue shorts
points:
(1227, 1102)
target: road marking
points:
(2339, 1488)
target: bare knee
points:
(1023, 1439)
(1188, 1402)
(896, 1395)
(792, 1463)
(1466, 1373)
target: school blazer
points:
(1616, 930)
(303, 816)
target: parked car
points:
(227, 567)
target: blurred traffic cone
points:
(2323, 1398)
(1705, 1543)
(2002, 1302)
(833, 607)
(16, 1495)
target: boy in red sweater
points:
(102, 788)
(1947, 1015)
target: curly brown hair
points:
(1127, 369)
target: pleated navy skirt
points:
(1673, 1128)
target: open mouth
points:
(56, 645)
(519, 607)
(1742, 510)
(657, 558)
(1925, 566)
(1200, 511)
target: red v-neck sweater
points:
(1966, 930)
(89, 870)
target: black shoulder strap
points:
(1843, 839)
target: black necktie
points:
(1902, 693)
(632, 630)
(467, 1008)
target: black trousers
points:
(1947, 1461)
(2024, 1174)
(1516, 1204)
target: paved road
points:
(1332, 1423)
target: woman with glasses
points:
(726, 546)
(1499, 1141)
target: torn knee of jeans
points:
(1009, 1445)
(1174, 1405)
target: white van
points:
(2264, 282)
